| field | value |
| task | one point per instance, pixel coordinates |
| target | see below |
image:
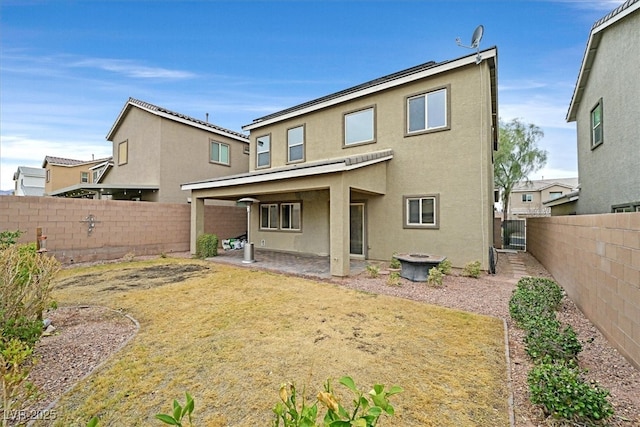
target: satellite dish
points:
(475, 42)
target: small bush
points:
(472, 269)
(563, 394)
(207, 246)
(435, 277)
(534, 298)
(395, 262)
(373, 270)
(393, 279)
(445, 267)
(546, 341)
(9, 238)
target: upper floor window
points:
(295, 144)
(96, 175)
(427, 111)
(48, 175)
(290, 216)
(359, 127)
(123, 152)
(269, 217)
(219, 153)
(555, 194)
(596, 125)
(263, 151)
(421, 211)
(527, 197)
(84, 177)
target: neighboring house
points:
(530, 198)
(29, 181)
(61, 174)
(606, 108)
(155, 150)
(401, 164)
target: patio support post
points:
(339, 226)
(197, 221)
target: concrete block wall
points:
(119, 227)
(596, 259)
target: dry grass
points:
(231, 336)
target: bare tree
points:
(517, 157)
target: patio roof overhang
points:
(85, 190)
(284, 179)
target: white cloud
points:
(131, 68)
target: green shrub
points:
(472, 269)
(395, 262)
(373, 270)
(445, 267)
(546, 341)
(367, 408)
(534, 297)
(9, 238)
(393, 279)
(207, 246)
(435, 277)
(564, 395)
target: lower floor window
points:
(290, 216)
(269, 217)
(421, 211)
(281, 216)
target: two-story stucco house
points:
(29, 181)
(66, 177)
(531, 198)
(399, 164)
(155, 150)
(606, 109)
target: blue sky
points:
(68, 67)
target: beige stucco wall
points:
(609, 174)
(536, 206)
(596, 259)
(454, 164)
(121, 226)
(65, 176)
(166, 154)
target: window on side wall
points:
(84, 177)
(527, 197)
(295, 144)
(290, 216)
(359, 127)
(48, 175)
(428, 111)
(219, 153)
(123, 153)
(269, 216)
(555, 194)
(263, 151)
(421, 211)
(597, 136)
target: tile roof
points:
(61, 161)
(157, 109)
(378, 82)
(624, 6)
(541, 184)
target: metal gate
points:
(514, 234)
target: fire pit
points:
(415, 267)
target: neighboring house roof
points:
(376, 85)
(29, 171)
(61, 161)
(542, 184)
(342, 164)
(565, 198)
(172, 115)
(625, 9)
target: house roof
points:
(341, 164)
(379, 84)
(172, 115)
(543, 184)
(622, 11)
(29, 171)
(61, 161)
